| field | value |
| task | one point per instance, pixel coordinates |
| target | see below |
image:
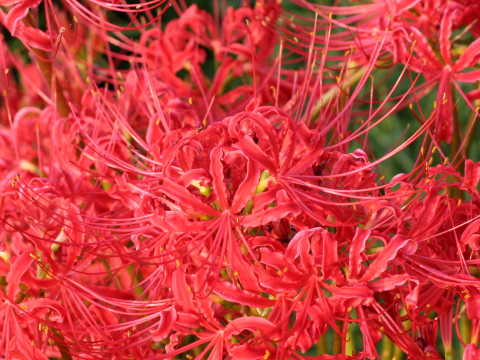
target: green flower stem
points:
(387, 348)
(454, 149)
(322, 345)
(337, 338)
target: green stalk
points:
(398, 354)
(322, 345)
(354, 77)
(465, 328)
(349, 345)
(337, 338)
(387, 348)
(475, 332)
(454, 149)
(456, 139)
(448, 352)
(46, 68)
(471, 126)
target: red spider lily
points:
(151, 209)
(26, 324)
(31, 36)
(18, 10)
(471, 352)
(444, 68)
(425, 27)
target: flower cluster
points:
(208, 184)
